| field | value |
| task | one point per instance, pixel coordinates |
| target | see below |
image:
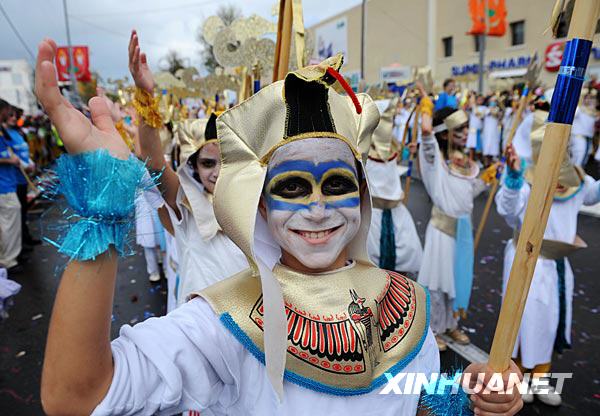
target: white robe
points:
(400, 123)
(384, 182)
(202, 261)
(188, 360)
(535, 340)
(581, 134)
(507, 121)
(146, 230)
(475, 124)
(454, 196)
(522, 139)
(490, 136)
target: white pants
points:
(10, 229)
(579, 148)
(151, 260)
(442, 312)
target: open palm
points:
(77, 132)
(138, 65)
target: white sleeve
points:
(432, 167)
(511, 203)
(185, 360)
(592, 191)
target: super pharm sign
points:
(554, 53)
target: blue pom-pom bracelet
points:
(514, 179)
(101, 192)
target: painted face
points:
(459, 135)
(208, 165)
(313, 200)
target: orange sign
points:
(81, 64)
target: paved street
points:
(22, 335)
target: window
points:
(447, 42)
(517, 32)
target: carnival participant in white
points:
(491, 129)
(476, 114)
(546, 323)
(205, 254)
(211, 352)
(393, 242)
(450, 179)
(584, 127)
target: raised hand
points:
(512, 159)
(138, 65)
(78, 133)
(114, 108)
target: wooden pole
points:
(412, 155)
(284, 39)
(525, 97)
(554, 144)
(298, 24)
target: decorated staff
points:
(284, 40)
(566, 94)
(424, 82)
(533, 71)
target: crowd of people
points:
(27, 146)
(281, 228)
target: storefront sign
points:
(395, 73)
(493, 65)
(554, 53)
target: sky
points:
(105, 25)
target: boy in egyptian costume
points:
(450, 179)
(393, 242)
(311, 327)
(546, 324)
(188, 192)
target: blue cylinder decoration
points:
(569, 81)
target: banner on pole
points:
(81, 63)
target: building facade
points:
(402, 34)
(16, 84)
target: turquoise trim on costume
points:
(453, 400)
(514, 179)
(387, 242)
(101, 192)
(310, 384)
(566, 198)
(463, 262)
(560, 342)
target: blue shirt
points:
(445, 100)
(21, 149)
(8, 180)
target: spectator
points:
(10, 209)
(18, 143)
(448, 97)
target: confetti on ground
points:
(20, 354)
(36, 317)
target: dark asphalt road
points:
(23, 334)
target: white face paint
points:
(313, 200)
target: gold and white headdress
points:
(300, 107)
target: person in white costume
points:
(584, 127)
(546, 324)
(393, 242)
(201, 245)
(400, 119)
(476, 113)
(282, 157)
(450, 179)
(490, 134)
